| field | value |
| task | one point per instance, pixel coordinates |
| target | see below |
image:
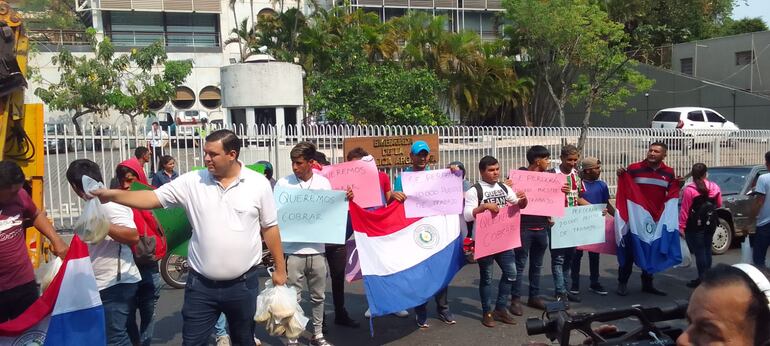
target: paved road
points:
(464, 302)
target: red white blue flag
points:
(648, 229)
(68, 313)
(405, 261)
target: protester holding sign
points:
(419, 153)
(534, 241)
(596, 192)
(230, 209)
(489, 195)
(306, 261)
(561, 258)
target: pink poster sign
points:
(434, 192)
(497, 232)
(361, 176)
(609, 246)
(543, 191)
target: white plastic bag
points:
(48, 272)
(278, 308)
(93, 224)
(747, 253)
(686, 256)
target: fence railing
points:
(615, 147)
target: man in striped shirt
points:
(653, 178)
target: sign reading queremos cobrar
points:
(392, 150)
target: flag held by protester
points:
(405, 261)
(647, 229)
(69, 312)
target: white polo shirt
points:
(226, 240)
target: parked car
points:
(735, 220)
(699, 125)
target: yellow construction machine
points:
(21, 125)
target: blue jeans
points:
(220, 329)
(699, 243)
(507, 262)
(442, 305)
(760, 241)
(593, 268)
(533, 246)
(205, 300)
(561, 261)
(147, 295)
(117, 301)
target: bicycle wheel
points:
(174, 270)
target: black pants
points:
(624, 272)
(15, 301)
(157, 153)
(336, 256)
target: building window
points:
(686, 65)
(743, 58)
(210, 97)
(140, 29)
(184, 99)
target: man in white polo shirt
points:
(230, 208)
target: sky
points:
(752, 8)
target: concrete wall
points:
(747, 110)
(262, 84)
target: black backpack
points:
(702, 215)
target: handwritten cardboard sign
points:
(497, 232)
(608, 246)
(543, 191)
(435, 192)
(579, 226)
(361, 176)
(311, 216)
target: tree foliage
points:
(477, 80)
(577, 54)
(128, 83)
(742, 26)
(50, 14)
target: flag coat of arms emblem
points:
(69, 312)
(405, 261)
(649, 230)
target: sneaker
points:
(343, 319)
(368, 314)
(622, 289)
(223, 340)
(573, 297)
(402, 313)
(575, 289)
(503, 316)
(422, 323)
(536, 303)
(488, 320)
(447, 317)
(563, 298)
(652, 290)
(516, 308)
(257, 342)
(320, 341)
(292, 342)
(598, 289)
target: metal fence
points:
(616, 147)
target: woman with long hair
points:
(698, 218)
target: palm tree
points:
(244, 36)
(235, 21)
